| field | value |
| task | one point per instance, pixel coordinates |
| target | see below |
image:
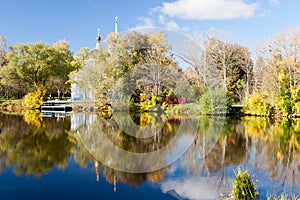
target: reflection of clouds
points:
(195, 188)
(172, 168)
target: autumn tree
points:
(36, 64)
(277, 71)
(3, 50)
(107, 70)
(232, 63)
(197, 73)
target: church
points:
(81, 94)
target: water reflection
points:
(113, 147)
(33, 148)
(33, 145)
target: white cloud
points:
(204, 9)
(172, 25)
(274, 2)
(145, 22)
(196, 188)
(161, 19)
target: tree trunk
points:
(225, 79)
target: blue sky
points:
(247, 22)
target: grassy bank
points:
(193, 109)
(183, 109)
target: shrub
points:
(284, 104)
(34, 100)
(296, 101)
(215, 102)
(256, 104)
(243, 187)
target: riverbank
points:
(193, 109)
(188, 110)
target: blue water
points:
(72, 183)
(54, 158)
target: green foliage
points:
(109, 73)
(256, 104)
(34, 64)
(284, 102)
(34, 100)
(232, 64)
(214, 102)
(243, 187)
(190, 109)
(296, 100)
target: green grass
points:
(243, 186)
(183, 109)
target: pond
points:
(150, 156)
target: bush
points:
(257, 105)
(284, 103)
(243, 187)
(34, 100)
(215, 102)
(296, 101)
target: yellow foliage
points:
(34, 100)
(144, 119)
(84, 49)
(281, 76)
(156, 176)
(33, 117)
(279, 156)
(257, 104)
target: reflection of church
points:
(78, 93)
(97, 166)
(78, 121)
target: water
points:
(83, 156)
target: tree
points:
(277, 71)
(233, 64)
(282, 52)
(3, 59)
(218, 54)
(35, 64)
(106, 67)
(198, 72)
(258, 73)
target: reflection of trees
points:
(277, 149)
(2, 161)
(218, 145)
(31, 149)
(96, 138)
(221, 143)
(163, 132)
(113, 176)
(108, 144)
